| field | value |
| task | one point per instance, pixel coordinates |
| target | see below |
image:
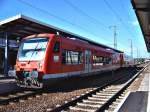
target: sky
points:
(93, 19)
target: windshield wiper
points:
(33, 52)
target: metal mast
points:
(131, 47)
(114, 27)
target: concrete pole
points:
(6, 65)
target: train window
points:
(72, 57)
(56, 47)
(107, 60)
(99, 60)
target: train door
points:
(87, 60)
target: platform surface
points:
(136, 102)
(7, 84)
(3, 77)
(145, 82)
(139, 101)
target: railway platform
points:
(3, 76)
(7, 84)
(139, 100)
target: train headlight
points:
(34, 74)
(41, 65)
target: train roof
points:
(24, 26)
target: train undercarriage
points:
(28, 79)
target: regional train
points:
(44, 58)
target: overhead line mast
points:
(114, 27)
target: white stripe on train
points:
(78, 73)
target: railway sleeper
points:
(30, 98)
(21, 101)
(20, 94)
(113, 90)
(3, 98)
(99, 96)
(89, 105)
(12, 96)
(11, 103)
(116, 103)
(28, 92)
(93, 101)
(118, 100)
(105, 94)
(108, 92)
(112, 107)
(116, 87)
(81, 109)
(93, 98)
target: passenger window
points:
(56, 47)
(72, 57)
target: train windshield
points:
(32, 49)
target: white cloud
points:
(135, 23)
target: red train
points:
(46, 57)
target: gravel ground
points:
(42, 102)
(57, 96)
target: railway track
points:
(18, 96)
(29, 95)
(98, 100)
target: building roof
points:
(22, 26)
(142, 10)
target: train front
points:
(30, 59)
